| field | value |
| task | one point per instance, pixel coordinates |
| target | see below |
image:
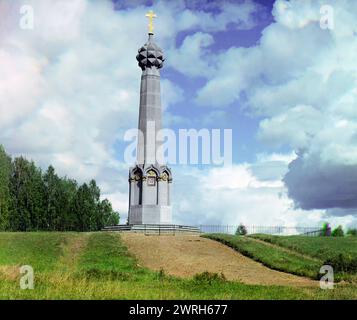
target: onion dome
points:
(150, 55)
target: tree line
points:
(33, 200)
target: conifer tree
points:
(5, 199)
(31, 200)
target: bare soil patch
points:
(186, 255)
(10, 272)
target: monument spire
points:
(150, 179)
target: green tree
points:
(96, 218)
(109, 216)
(326, 230)
(241, 230)
(352, 232)
(83, 208)
(27, 191)
(338, 232)
(31, 200)
(69, 188)
(57, 200)
(5, 197)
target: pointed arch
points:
(154, 169)
(166, 171)
(135, 172)
(136, 185)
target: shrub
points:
(352, 232)
(209, 277)
(241, 230)
(338, 232)
(326, 230)
(342, 264)
(161, 274)
(95, 273)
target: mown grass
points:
(340, 253)
(322, 248)
(271, 257)
(104, 269)
(298, 254)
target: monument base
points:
(153, 228)
(150, 214)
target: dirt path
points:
(71, 252)
(187, 255)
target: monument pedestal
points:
(150, 214)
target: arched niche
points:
(164, 188)
(137, 186)
(151, 186)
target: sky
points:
(69, 90)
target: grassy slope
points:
(270, 256)
(40, 250)
(297, 254)
(322, 248)
(98, 266)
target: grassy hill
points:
(321, 248)
(99, 266)
(300, 255)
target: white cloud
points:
(70, 87)
(295, 127)
(192, 58)
(19, 74)
(67, 88)
(194, 14)
(239, 194)
(301, 79)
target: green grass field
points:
(321, 248)
(270, 256)
(98, 266)
(300, 255)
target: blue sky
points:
(236, 118)
(265, 69)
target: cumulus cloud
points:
(19, 73)
(253, 194)
(243, 15)
(192, 57)
(315, 183)
(301, 79)
(69, 88)
(75, 81)
(285, 128)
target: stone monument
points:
(149, 180)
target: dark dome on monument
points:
(150, 55)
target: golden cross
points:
(151, 15)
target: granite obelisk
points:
(150, 180)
